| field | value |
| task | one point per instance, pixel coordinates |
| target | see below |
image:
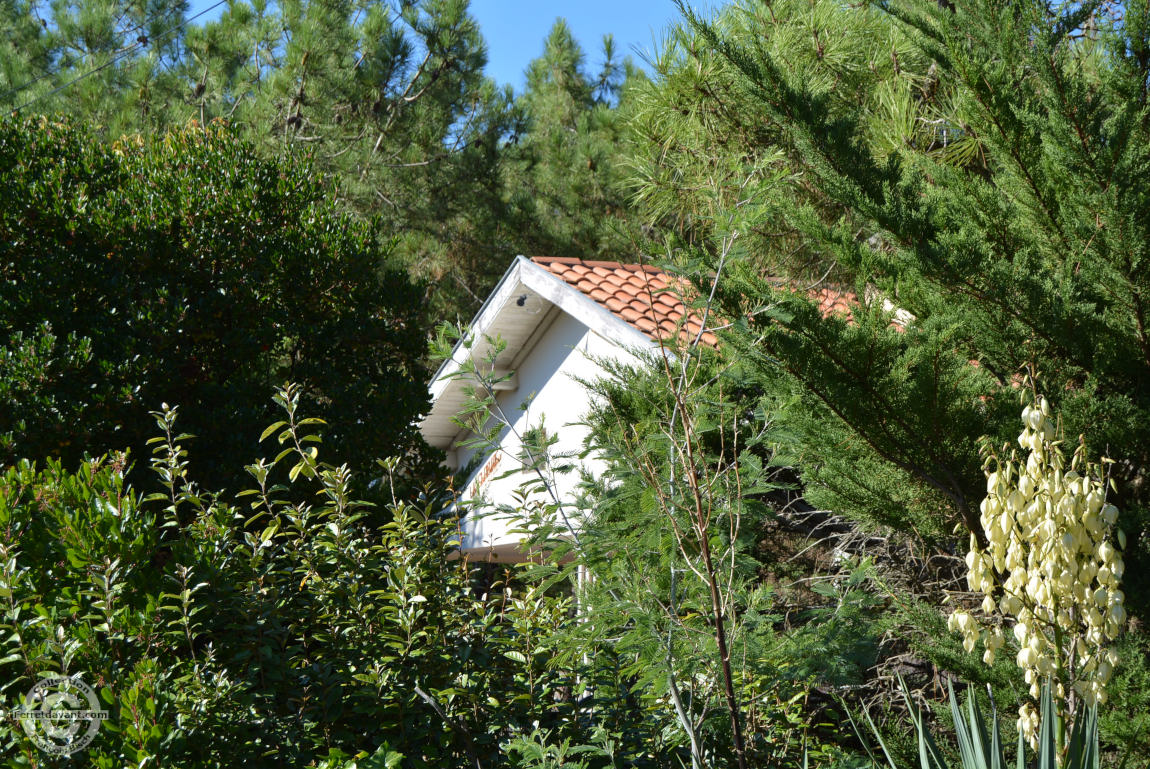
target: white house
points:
(558, 317)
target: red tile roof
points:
(646, 297)
(834, 300)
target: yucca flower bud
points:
(1033, 420)
(1021, 632)
(1026, 486)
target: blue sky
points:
(515, 29)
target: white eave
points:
(524, 303)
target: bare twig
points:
(458, 726)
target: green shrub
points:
(186, 270)
(274, 631)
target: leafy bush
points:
(274, 632)
(186, 270)
(735, 671)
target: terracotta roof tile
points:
(636, 293)
(629, 315)
(639, 294)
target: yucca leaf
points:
(1091, 755)
(881, 743)
(997, 759)
(929, 755)
(1047, 750)
(1074, 750)
(966, 751)
(866, 743)
(978, 734)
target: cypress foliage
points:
(982, 168)
(1025, 252)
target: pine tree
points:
(565, 159)
(389, 100)
(110, 62)
(981, 167)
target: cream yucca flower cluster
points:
(1049, 568)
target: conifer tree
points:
(390, 101)
(387, 99)
(975, 177)
(1008, 219)
(111, 62)
(565, 161)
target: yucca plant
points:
(980, 745)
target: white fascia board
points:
(523, 273)
(581, 307)
(555, 290)
(483, 320)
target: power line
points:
(131, 49)
(19, 88)
(126, 51)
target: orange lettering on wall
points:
(485, 475)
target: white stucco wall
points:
(548, 371)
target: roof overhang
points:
(526, 301)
